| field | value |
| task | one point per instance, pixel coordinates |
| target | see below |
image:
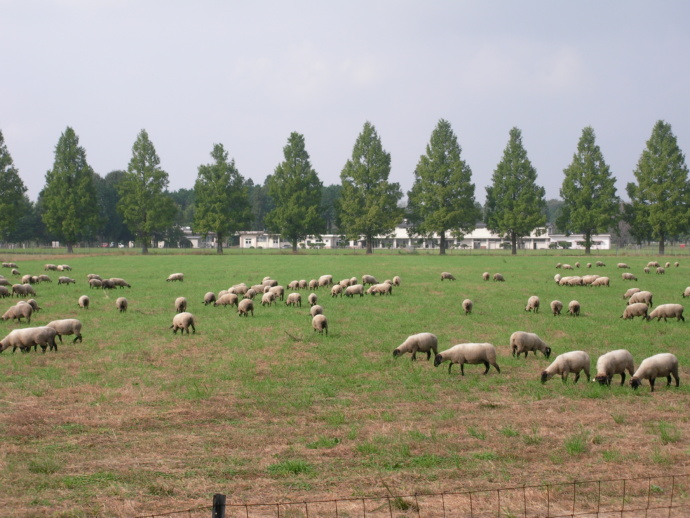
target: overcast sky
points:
(248, 73)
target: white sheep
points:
(467, 306)
(356, 289)
(312, 298)
(601, 281)
(630, 292)
(313, 284)
(397, 280)
(645, 269)
(229, 299)
(447, 275)
(661, 270)
(4, 292)
(302, 284)
(498, 277)
(523, 342)
(175, 277)
(16, 272)
(556, 307)
(642, 296)
(337, 289)
(574, 309)
(676, 264)
(533, 304)
(320, 324)
(657, 366)
(293, 285)
(67, 326)
(44, 278)
(600, 264)
(345, 283)
(26, 279)
(564, 364)
(95, 283)
(93, 276)
(268, 299)
(381, 289)
(121, 304)
(370, 279)
(278, 291)
(49, 267)
(180, 305)
(486, 276)
(19, 311)
(294, 299)
(251, 293)
(245, 307)
(567, 267)
(471, 353)
(316, 310)
(622, 265)
(638, 309)
(589, 265)
(614, 362)
(686, 293)
(667, 311)
(556, 278)
(25, 338)
(587, 280)
(653, 264)
(628, 276)
(120, 282)
(421, 342)
(34, 305)
(84, 302)
(668, 264)
(23, 290)
(209, 298)
(64, 268)
(558, 265)
(325, 280)
(577, 264)
(183, 321)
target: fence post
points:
(218, 506)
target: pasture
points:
(135, 420)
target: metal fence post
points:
(218, 506)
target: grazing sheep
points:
(302, 284)
(628, 277)
(4, 282)
(44, 278)
(601, 281)
(522, 342)
(630, 292)
(642, 296)
(238, 289)
(532, 304)
(26, 279)
(686, 293)
(653, 264)
(120, 282)
(268, 299)
(209, 297)
(279, 292)
(447, 275)
(345, 283)
(64, 268)
(381, 289)
(486, 276)
(320, 324)
(66, 280)
(180, 305)
(567, 267)
(312, 299)
(25, 338)
(558, 265)
(228, 299)
(313, 284)
(645, 269)
(251, 293)
(676, 264)
(577, 264)
(589, 265)
(661, 270)
(175, 277)
(4, 292)
(95, 283)
(556, 278)
(19, 311)
(93, 276)
(638, 309)
(657, 366)
(23, 290)
(356, 289)
(294, 299)
(574, 309)
(316, 310)
(336, 290)
(84, 302)
(293, 285)
(556, 307)
(49, 267)
(353, 281)
(574, 281)
(68, 326)
(471, 353)
(397, 280)
(269, 282)
(467, 306)
(244, 307)
(668, 265)
(370, 279)
(16, 272)
(121, 304)
(183, 321)
(612, 363)
(107, 284)
(258, 288)
(325, 280)
(600, 264)
(587, 280)
(564, 364)
(498, 277)
(622, 265)
(667, 311)
(34, 305)
(421, 342)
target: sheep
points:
(316, 310)
(558, 265)
(68, 326)
(645, 269)
(4, 292)
(661, 270)
(44, 278)
(84, 302)
(467, 306)
(686, 293)
(577, 264)
(556, 307)
(11, 265)
(279, 292)
(667, 311)
(381, 289)
(668, 264)
(532, 304)
(302, 284)
(320, 324)
(26, 279)
(107, 284)
(574, 309)
(630, 292)
(567, 267)
(600, 264)
(244, 307)
(471, 353)
(209, 297)
(653, 264)
(345, 283)
(175, 277)
(642, 296)
(23, 290)
(294, 299)
(336, 290)
(34, 305)
(4, 282)
(66, 280)
(49, 267)
(622, 265)
(293, 285)
(574, 281)
(612, 363)
(421, 342)
(64, 268)
(396, 280)
(313, 284)
(268, 299)
(601, 281)
(564, 364)
(95, 283)
(183, 321)
(228, 299)
(587, 280)
(628, 277)
(523, 342)
(180, 305)
(556, 278)
(250, 294)
(121, 304)
(447, 275)
(356, 289)
(589, 265)
(269, 282)
(19, 311)
(638, 309)
(16, 272)
(312, 299)
(486, 276)
(388, 281)
(120, 282)
(657, 366)
(325, 280)
(676, 264)
(369, 279)
(93, 276)
(30, 336)
(498, 277)
(238, 289)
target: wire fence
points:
(649, 497)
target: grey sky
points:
(246, 74)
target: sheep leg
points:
(60, 337)
(577, 377)
(651, 383)
(675, 375)
(193, 329)
(681, 317)
(622, 378)
(668, 380)
(462, 369)
(428, 355)
(486, 364)
(497, 367)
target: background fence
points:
(650, 497)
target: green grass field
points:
(135, 420)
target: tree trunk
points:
(70, 249)
(369, 247)
(513, 243)
(588, 242)
(662, 246)
(294, 246)
(145, 246)
(219, 244)
(443, 244)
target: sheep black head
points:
(602, 380)
(634, 383)
(544, 376)
(547, 352)
(438, 360)
(396, 353)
